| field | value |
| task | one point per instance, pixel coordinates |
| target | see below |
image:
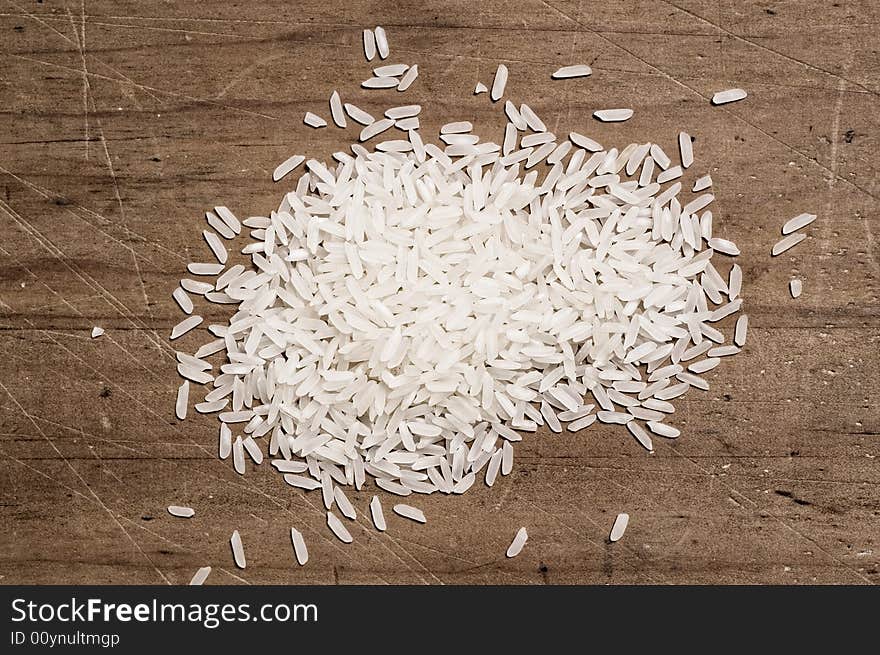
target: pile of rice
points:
(410, 310)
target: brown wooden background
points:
(123, 121)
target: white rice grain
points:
(724, 246)
(287, 466)
(404, 111)
(536, 139)
(390, 70)
(408, 78)
(336, 110)
(182, 403)
(458, 127)
(408, 124)
(409, 512)
(499, 83)
(200, 576)
(686, 148)
(729, 95)
(197, 286)
(619, 527)
(671, 392)
(313, 120)
(663, 430)
(219, 226)
(238, 550)
(216, 246)
(740, 331)
(507, 458)
(228, 218)
(381, 42)
(225, 441)
(252, 449)
(660, 157)
(785, 244)
(378, 83)
(613, 115)
(369, 45)
(301, 482)
(798, 222)
(584, 142)
(514, 116)
(519, 540)
(238, 456)
(734, 282)
(377, 514)
(344, 504)
(183, 300)
(185, 326)
(494, 467)
(641, 436)
(299, 546)
(582, 423)
(704, 365)
(338, 529)
(374, 129)
(723, 351)
(669, 174)
(576, 70)
(286, 166)
(358, 115)
(199, 268)
(620, 418)
(531, 118)
(702, 183)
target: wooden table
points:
(124, 121)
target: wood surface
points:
(122, 122)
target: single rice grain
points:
(200, 576)
(410, 512)
(338, 529)
(798, 222)
(499, 83)
(787, 243)
(519, 540)
(299, 546)
(613, 115)
(729, 95)
(238, 550)
(377, 515)
(576, 70)
(619, 527)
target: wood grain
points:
(124, 121)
